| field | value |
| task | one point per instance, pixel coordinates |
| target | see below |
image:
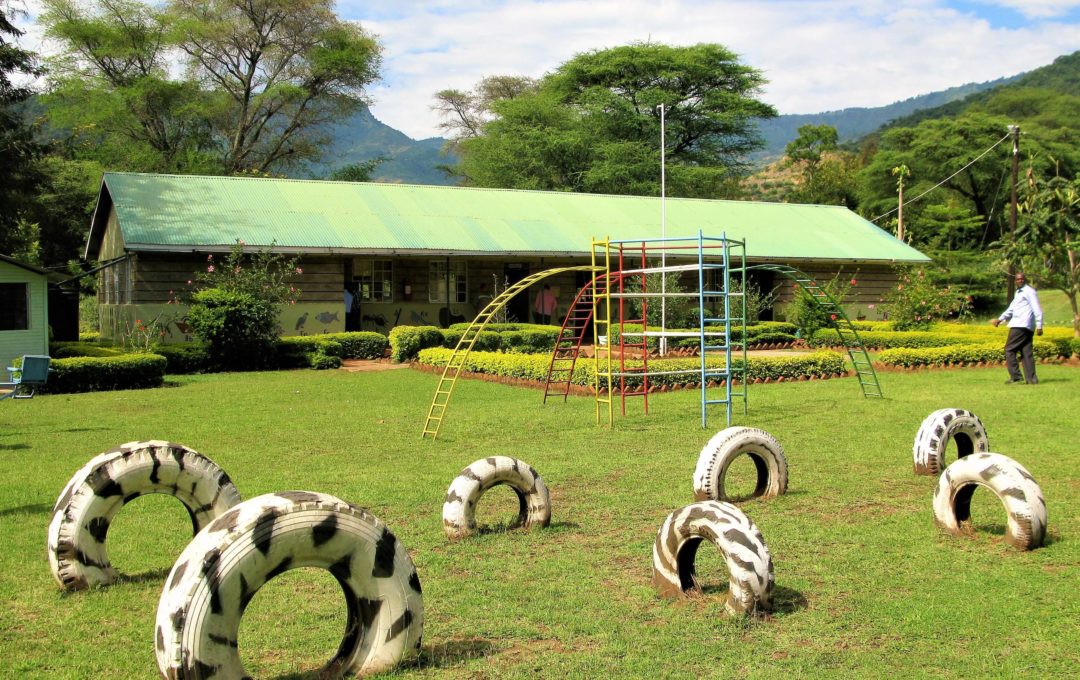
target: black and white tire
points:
(198, 616)
(727, 445)
(941, 426)
(81, 517)
(1009, 481)
(749, 564)
(534, 501)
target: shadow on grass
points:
(784, 600)
(13, 447)
(442, 655)
(34, 509)
(506, 527)
(144, 577)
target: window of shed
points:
(440, 276)
(374, 279)
(14, 306)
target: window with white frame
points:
(374, 280)
(442, 274)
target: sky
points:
(818, 55)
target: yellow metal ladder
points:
(441, 401)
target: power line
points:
(970, 163)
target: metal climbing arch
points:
(441, 401)
(860, 359)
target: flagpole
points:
(663, 235)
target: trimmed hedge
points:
(92, 374)
(960, 354)
(534, 367)
(505, 327)
(830, 337)
(314, 351)
(359, 344)
(186, 357)
(407, 341)
(67, 350)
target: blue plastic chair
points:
(32, 374)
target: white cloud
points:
(817, 54)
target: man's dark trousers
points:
(1019, 341)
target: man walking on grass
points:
(1025, 319)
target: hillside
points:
(856, 122)
(362, 137)
(1062, 76)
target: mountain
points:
(362, 137)
(856, 122)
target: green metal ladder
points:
(849, 337)
(441, 401)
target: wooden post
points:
(1015, 129)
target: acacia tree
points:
(593, 124)
(262, 76)
(1047, 242)
(828, 175)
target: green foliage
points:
(262, 274)
(592, 124)
(93, 374)
(961, 354)
(916, 302)
(828, 337)
(359, 344)
(1047, 243)
(185, 357)
(407, 341)
(535, 367)
(356, 172)
(807, 313)
(67, 350)
(239, 330)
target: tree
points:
(465, 113)
(262, 77)
(18, 150)
(827, 175)
(1047, 243)
(593, 124)
(278, 70)
(112, 89)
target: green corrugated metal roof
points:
(184, 212)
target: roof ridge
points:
(407, 185)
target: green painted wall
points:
(34, 340)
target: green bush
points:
(1074, 346)
(239, 330)
(828, 337)
(504, 327)
(407, 341)
(535, 366)
(92, 374)
(540, 339)
(957, 354)
(66, 350)
(308, 351)
(360, 344)
(486, 341)
(916, 301)
(90, 336)
(185, 357)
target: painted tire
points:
(459, 510)
(932, 439)
(1010, 482)
(82, 515)
(198, 616)
(727, 445)
(749, 564)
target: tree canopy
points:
(593, 124)
(260, 78)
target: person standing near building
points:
(544, 305)
(1025, 318)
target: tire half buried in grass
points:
(81, 517)
(725, 446)
(198, 616)
(459, 509)
(1014, 486)
(941, 427)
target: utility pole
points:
(1015, 130)
(901, 171)
(663, 237)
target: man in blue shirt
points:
(1025, 319)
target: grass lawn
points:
(866, 584)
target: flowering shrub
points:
(141, 336)
(806, 312)
(235, 310)
(916, 303)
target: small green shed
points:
(24, 311)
